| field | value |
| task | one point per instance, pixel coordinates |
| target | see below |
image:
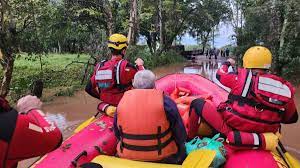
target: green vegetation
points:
(58, 73)
(274, 24)
(62, 73)
(83, 26)
(152, 61)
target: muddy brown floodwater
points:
(69, 112)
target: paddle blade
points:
(199, 159)
(293, 162)
(84, 124)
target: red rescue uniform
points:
(258, 101)
(263, 113)
(110, 80)
(23, 136)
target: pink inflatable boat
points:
(98, 138)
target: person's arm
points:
(175, 120)
(91, 87)
(139, 64)
(226, 78)
(33, 131)
(291, 113)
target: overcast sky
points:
(222, 36)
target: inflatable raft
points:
(98, 138)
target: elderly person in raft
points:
(148, 124)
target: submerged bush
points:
(153, 60)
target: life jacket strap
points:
(158, 147)
(157, 136)
(146, 136)
(244, 100)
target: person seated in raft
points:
(257, 104)
(111, 78)
(148, 124)
(25, 133)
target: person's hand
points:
(232, 61)
(271, 141)
(139, 62)
(110, 110)
(27, 103)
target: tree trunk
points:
(109, 15)
(132, 33)
(59, 47)
(161, 28)
(7, 75)
(37, 88)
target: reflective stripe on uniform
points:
(256, 139)
(247, 84)
(118, 72)
(103, 75)
(274, 86)
(35, 128)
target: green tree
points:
(275, 24)
(204, 20)
(16, 18)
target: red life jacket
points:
(257, 103)
(144, 129)
(111, 79)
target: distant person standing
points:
(211, 52)
(206, 53)
(222, 53)
(227, 52)
(217, 52)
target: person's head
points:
(257, 57)
(117, 43)
(144, 79)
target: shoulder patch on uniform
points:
(35, 128)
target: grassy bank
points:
(62, 78)
(54, 72)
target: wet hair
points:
(144, 79)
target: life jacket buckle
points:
(257, 108)
(228, 108)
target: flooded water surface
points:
(69, 112)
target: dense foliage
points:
(38, 27)
(275, 24)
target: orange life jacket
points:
(144, 129)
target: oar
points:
(86, 123)
(288, 158)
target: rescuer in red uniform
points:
(257, 104)
(111, 78)
(25, 133)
